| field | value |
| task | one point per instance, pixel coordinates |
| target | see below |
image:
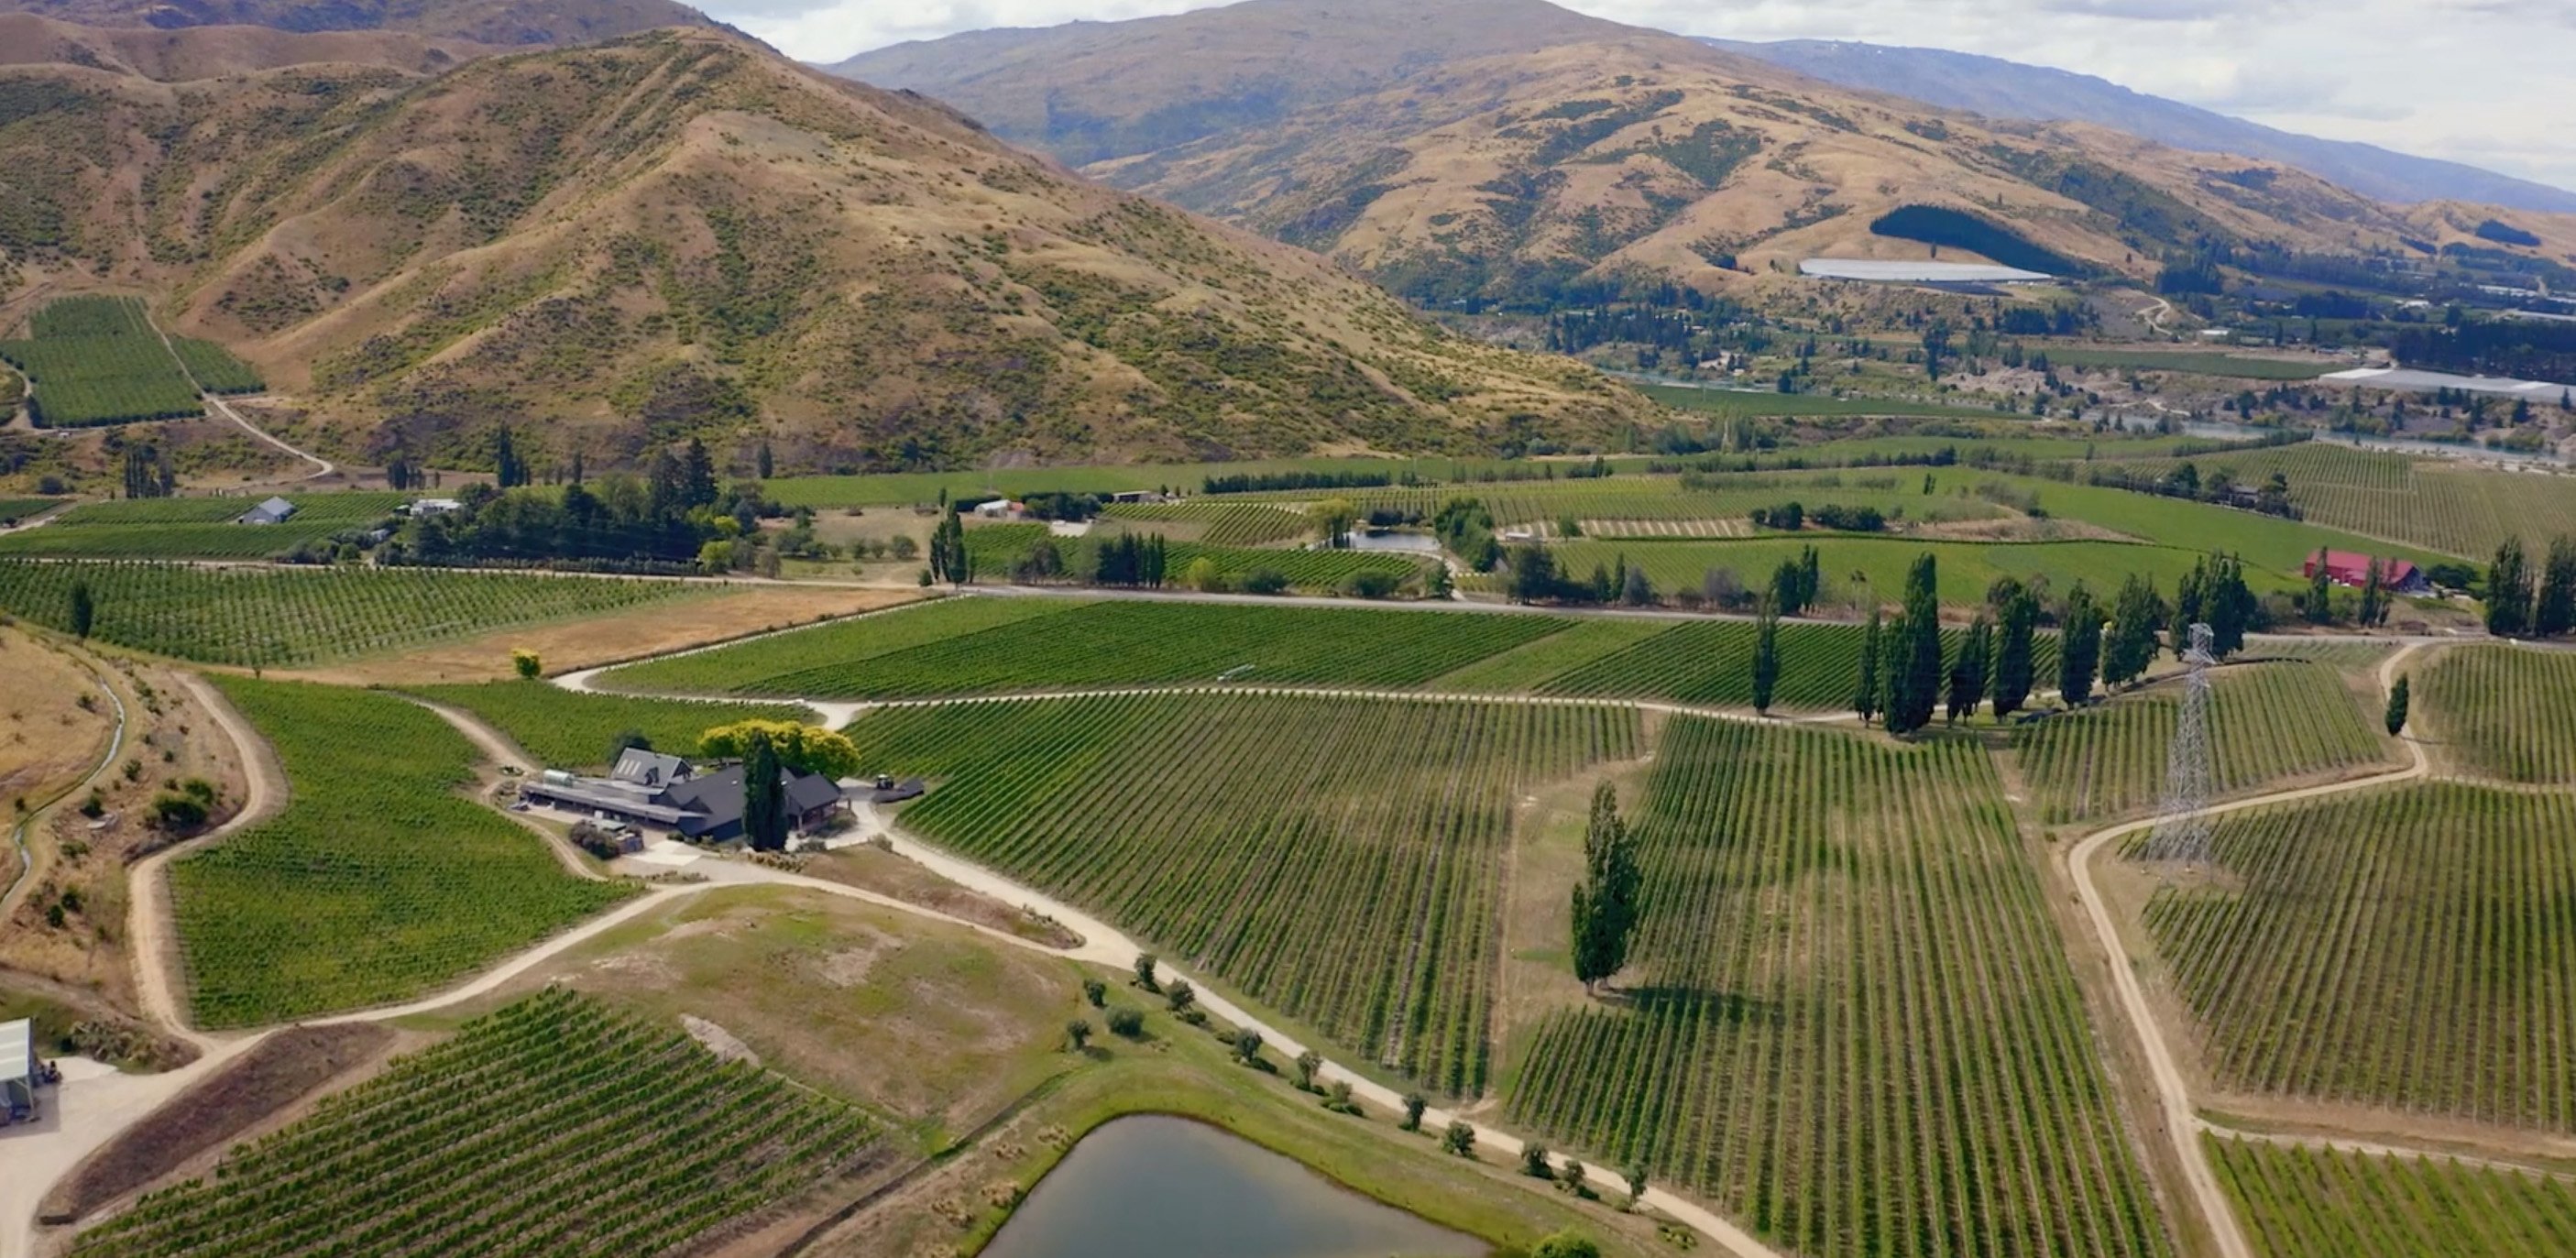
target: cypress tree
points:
(2397, 697)
(2079, 647)
(698, 475)
(2320, 593)
(763, 462)
(84, 609)
(1811, 580)
(1865, 689)
(2018, 625)
(1766, 658)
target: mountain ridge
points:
(2000, 88)
(680, 233)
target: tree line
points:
(2524, 603)
(1901, 677)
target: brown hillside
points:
(208, 52)
(680, 233)
(1089, 91)
(498, 22)
(1499, 148)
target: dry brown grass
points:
(47, 739)
(578, 644)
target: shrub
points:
(528, 664)
(178, 813)
(1371, 584)
(1095, 992)
(1308, 1063)
(1265, 581)
(1180, 993)
(1534, 1161)
(1145, 964)
(1460, 1140)
(1414, 1104)
(1338, 1098)
(1566, 1244)
(1247, 1046)
(1077, 1033)
(1126, 1021)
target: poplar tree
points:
(2079, 647)
(1865, 690)
(2135, 619)
(1605, 902)
(1766, 657)
(2553, 612)
(2017, 627)
(1968, 672)
(84, 609)
(764, 804)
(2508, 591)
(2397, 697)
(1914, 678)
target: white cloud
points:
(2481, 81)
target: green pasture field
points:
(1860, 569)
(2268, 722)
(1137, 642)
(2407, 948)
(13, 510)
(746, 667)
(2273, 544)
(564, 729)
(493, 1141)
(379, 882)
(996, 549)
(1745, 404)
(2455, 509)
(2299, 1202)
(1340, 860)
(1848, 1022)
(2188, 362)
(288, 616)
(2508, 712)
(198, 528)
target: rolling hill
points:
(2009, 89)
(496, 22)
(1551, 148)
(680, 233)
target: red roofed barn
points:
(2344, 567)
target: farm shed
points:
(2350, 568)
(273, 511)
(19, 1071)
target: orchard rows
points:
(551, 1127)
(2412, 948)
(2268, 722)
(1849, 1021)
(282, 616)
(1339, 860)
(377, 883)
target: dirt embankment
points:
(267, 1080)
(891, 875)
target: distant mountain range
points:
(1472, 152)
(2009, 89)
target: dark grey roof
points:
(809, 791)
(648, 768)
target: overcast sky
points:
(2488, 82)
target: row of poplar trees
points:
(2521, 603)
(1904, 676)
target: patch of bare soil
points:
(890, 875)
(70, 918)
(652, 630)
(288, 1066)
(719, 1041)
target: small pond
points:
(1152, 1186)
(1391, 540)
